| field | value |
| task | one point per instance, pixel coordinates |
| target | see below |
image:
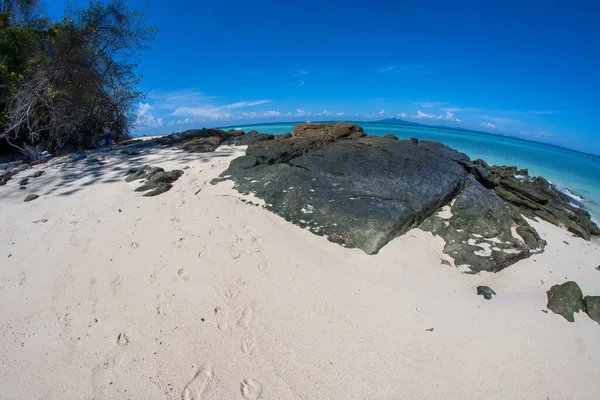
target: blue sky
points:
(526, 68)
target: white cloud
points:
(448, 117)
(431, 104)
(408, 69)
(382, 112)
(389, 68)
(325, 113)
(300, 113)
(288, 114)
(184, 121)
(145, 117)
(272, 113)
(488, 125)
(402, 115)
(216, 112)
(340, 114)
(422, 115)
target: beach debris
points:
(598, 268)
(429, 330)
(42, 221)
(10, 255)
(565, 299)
(135, 245)
(545, 311)
(157, 180)
(485, 291)
(592, 307)
(30, 197)
(565, 242)
(446, 262)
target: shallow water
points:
(568, 169)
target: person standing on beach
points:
(107, 137)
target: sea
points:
(576, 174)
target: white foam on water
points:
(568, 192)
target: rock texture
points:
(208, 140)
(486, 292)
(30, 197)
(565, 299)
(592, 307)
(156, 179)
(363, 191)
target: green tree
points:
(73, 76)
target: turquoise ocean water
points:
(578, 172)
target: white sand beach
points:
(194, 294)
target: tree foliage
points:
(62, 82)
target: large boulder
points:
(363, 191)
(157, 180)
(565, 299)
(592, 307)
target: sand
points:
(105, 294)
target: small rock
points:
(31, 197)
(598, 268)
(565, 242)
(545, 311)
(37, 174)
(23, 181)
(446, 262)
(414, 140)
(120, 210)
(592, 307)
(485, 291)
(43, 220)
(10, 255)
(429, 330)
(565, 300)
(22, 187)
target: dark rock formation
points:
(486, 292)
(23, 181)
(208, 140)
(535, 197)
(30, 197)
(157, 180)
(479, 233)
(592, 307)
(363, 191)
(37, 174)
(565, 300)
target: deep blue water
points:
(577, 171)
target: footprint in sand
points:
(123, 339)
(246, 317)
(251, 389)
(161, 308)
(181, 273)
(248, 345)
(194, 389)
(22, 278)
(222, 315)
(232, 292)
(115, 284)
